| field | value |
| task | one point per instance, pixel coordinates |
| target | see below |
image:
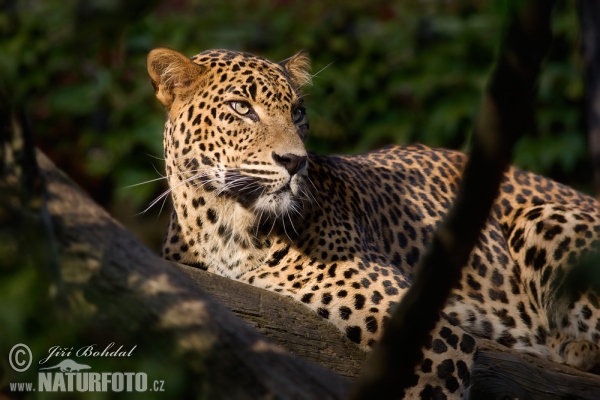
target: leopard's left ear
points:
(297, 68)
(172, 74)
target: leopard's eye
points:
(241, 107)
(298, 114)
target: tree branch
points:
(505, 114)
(589, 17)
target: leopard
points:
(343, 234)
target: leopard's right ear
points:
(298, 69)
(171, 73)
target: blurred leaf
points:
(386, 73)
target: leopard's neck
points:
(219, 233)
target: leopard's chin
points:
(277, 204)
(284, 200)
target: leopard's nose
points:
(291, 162)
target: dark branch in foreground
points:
(504, 117)
(589, 16)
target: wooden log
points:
(284, 321)
(500, 373)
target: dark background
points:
(405, 72)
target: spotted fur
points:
(342, 234)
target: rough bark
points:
(499, 373)
(284, 321)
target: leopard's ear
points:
(171, 71)
(297, 67)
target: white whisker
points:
(258, 222)
(168, 191)
(145, 182)
(283, 224)
(315, 75)
(308, 192)
(162, 206)
(292, 222)
(155, 157)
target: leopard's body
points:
(342, 234)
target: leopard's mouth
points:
(276, 204)
(286, 188)
(254, 194)
(282, 201)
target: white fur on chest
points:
(227, 245)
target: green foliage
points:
(384, 73)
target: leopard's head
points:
(236, 127)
